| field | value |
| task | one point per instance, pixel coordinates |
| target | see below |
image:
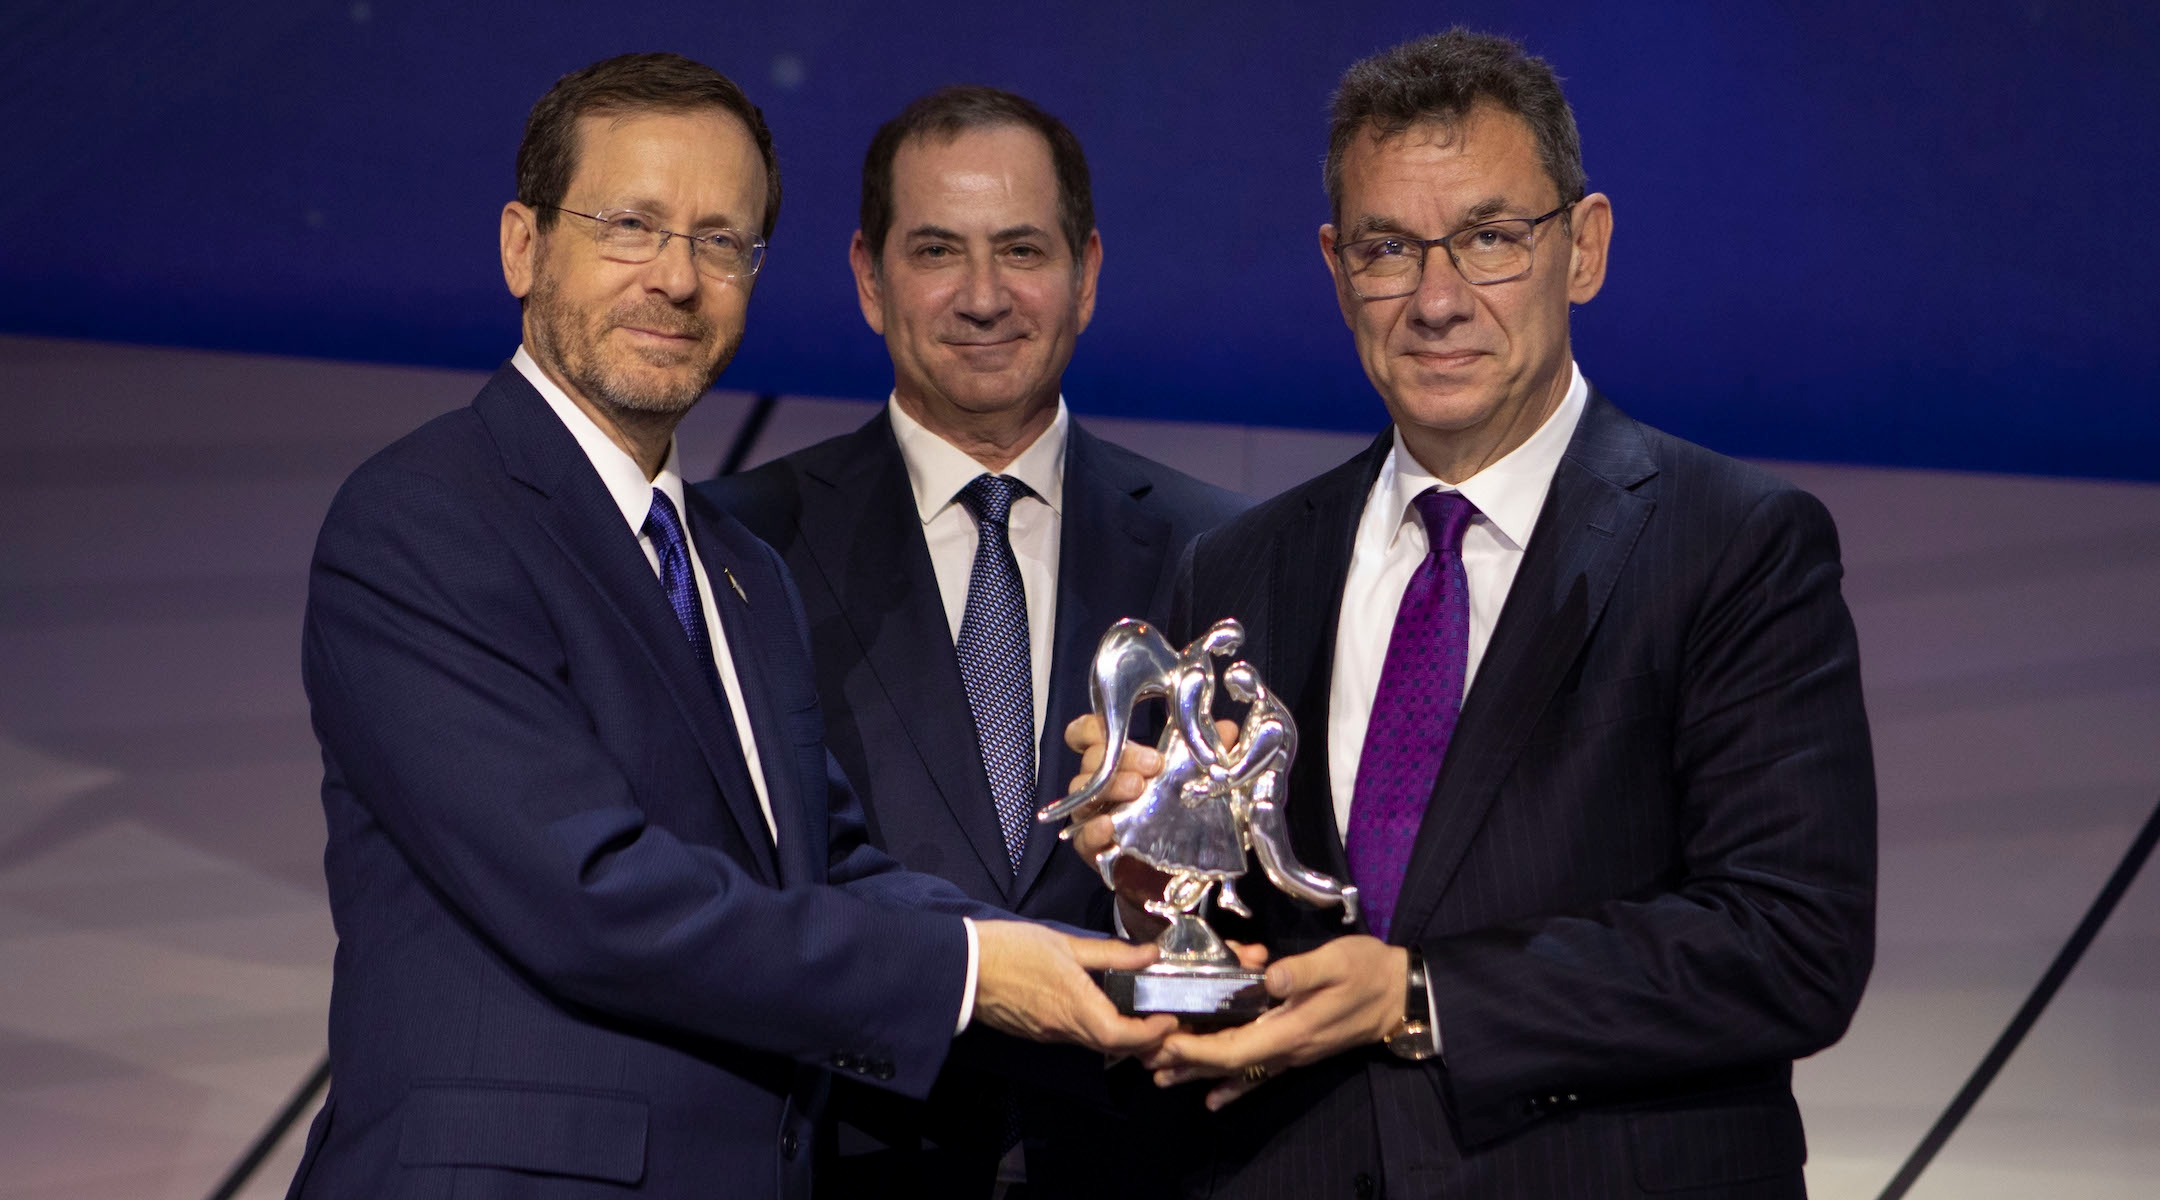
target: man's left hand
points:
(1342, 995)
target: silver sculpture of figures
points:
(1196, 820)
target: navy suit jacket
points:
(1645, 880)
(843, 515)
(571, 960)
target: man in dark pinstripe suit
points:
(1582, 720)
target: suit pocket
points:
(1741, 1137)
(552, 1131)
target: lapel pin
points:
(733, 584)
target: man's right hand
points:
(1032, 981)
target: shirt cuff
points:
(1432, 1008)
(967, 988)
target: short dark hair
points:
(1440, 78)
(947, 113)
(627, 83)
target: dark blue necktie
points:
(666, 531)
(994, 661)
(672, 546)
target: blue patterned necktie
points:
(666, 531)
(995, 665)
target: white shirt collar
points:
(1508, 493)
(937, 469)
(624, 478)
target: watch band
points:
(1412, 1037)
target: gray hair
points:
(1440, 78)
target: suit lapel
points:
(1110, 555)
(746, 648)
(1311, 561)
(584, 521)
(1589, 525)
(860, 522)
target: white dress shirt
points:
(937, 470)
(1391, 543)
(632, 493)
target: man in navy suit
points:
(976, 260)
(608, 919)
(1582, 720)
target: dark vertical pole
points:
(274, 1133)
(2103, 905)
(746, 438)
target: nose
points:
(1443, 296)
(673, 272)
(982, 297)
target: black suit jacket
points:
(571, 960)
(1645, 880)
(844, 517)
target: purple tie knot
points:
(1446, 515)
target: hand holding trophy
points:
(1197, 818)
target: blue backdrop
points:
(1914, 233)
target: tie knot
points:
(661, 523)
(1446, 515)
(990, 497)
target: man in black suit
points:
(1582, 720)
(608, 921)
(953, 627)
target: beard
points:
(575, 340)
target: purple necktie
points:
(1414, 711)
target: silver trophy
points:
(1195, 821)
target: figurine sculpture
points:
(1196, 820)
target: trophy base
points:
(1202, 997)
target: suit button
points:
(789, 1144)
(1364, 1186)
(883, 1069)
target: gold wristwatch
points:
(1412, 1038)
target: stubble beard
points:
(574, 341)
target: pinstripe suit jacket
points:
(1645, 880)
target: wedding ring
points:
(1255, 1073)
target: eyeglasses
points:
(627, 236)
(1391, 265)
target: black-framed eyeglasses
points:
(628, 236)
(1393, 264)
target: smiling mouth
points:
(1445, 358)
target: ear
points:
(869, 286)
(1090, 270)
(1345, 299)
(520, 245)
(1592, 223)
